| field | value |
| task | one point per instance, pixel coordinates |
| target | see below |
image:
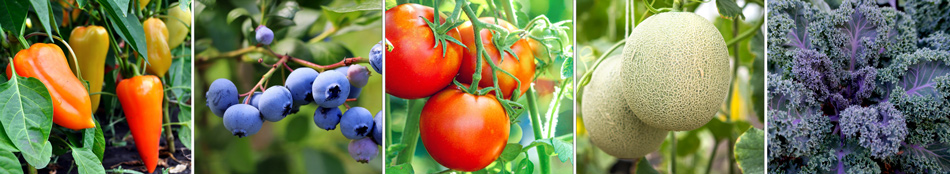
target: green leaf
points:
(186, 5)
(128, 26)
(94, 140)
(236, 14)
(43, 12)
(87, 161)
(729, 9)
(81, 4)
(297, 129)
(511, 151)
(342, 14)
(325, 53)
(9, 163)
(563, 149)
(184, 115)
(179, 74)
(525, 167)
(644, 167)
(567, 69)
(12, 15)
(750, 151)
(687, 145)
(405, 168)
(27, 117)
(123, 6)
(719, 129)
(5, 144)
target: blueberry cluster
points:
(328, 90)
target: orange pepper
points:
(71, 103)
(91, 45)
(141, 98)
(156, 39)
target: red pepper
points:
(71, 104)
(141, 98)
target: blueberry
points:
(255, 99)
(356, 123)
(276, 103)
(300, 83)
(354, 92)
(363, 150)
(358, 75)
(243, 120)
(378, 130)
(221, 95)
(330, 89)
(264, 35)
(376, 56)
(327, 118)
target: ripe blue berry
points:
(363, 150)
(376, 56)
(330, 89)
(264, 35)
(354, 91)
(255, 99)
(300, 83)
(327, 118)
(243, 120)
(358, 75)
(356, 123)
(276, 103)
(221, 95)
(378, 130)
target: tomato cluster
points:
(460, 130)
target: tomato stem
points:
(536, 127)
(410, 132)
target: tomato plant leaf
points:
(87, 161)
(44, 12)
(750, 151)
(563, 149)
(12, 15)
(644, 167)
(9, 163)
(27, 117)
(127, 26)
(405, 168)
(511, 151)
(525, 167)
(567, 68)
(729, 9)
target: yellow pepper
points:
(178, 25)
(143, 3)
(91, 45)
(159, 55)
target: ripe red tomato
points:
(523, 67)
(463, 131)
(415, 68)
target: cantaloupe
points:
(676, 71)
(611, 125)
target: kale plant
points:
(859, 87)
